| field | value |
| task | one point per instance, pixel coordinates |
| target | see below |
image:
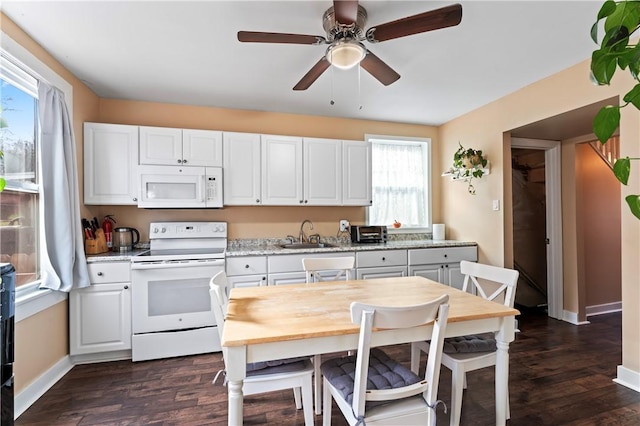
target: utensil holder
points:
(98, 245)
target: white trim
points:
(605, 308)
(628, 378)
(101, 357)
(553, 179)
(36, 301)
(572, 317)
(42, 384)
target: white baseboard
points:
(628, 378)
(605, 308)
(572, 317)
(38, 387)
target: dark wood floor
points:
(560, 375)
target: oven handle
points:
(173, 265)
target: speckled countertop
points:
(263, 247)
(270, 247)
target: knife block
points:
(98, 245)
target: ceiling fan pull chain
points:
(332, 102)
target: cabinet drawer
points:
(109, 272)
(377, 258)
(442, 255)
(249, 265)
(293, 262)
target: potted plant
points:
(621, 22)
(468, 163)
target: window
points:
(401, 182)
(19, 201)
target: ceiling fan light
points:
(346, 54)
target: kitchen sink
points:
(305, 245)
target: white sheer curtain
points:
(398, 182)
(64, 265)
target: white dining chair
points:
(336, 267)
(373, 389)
(469, 353)
(292, 373)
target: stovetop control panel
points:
(159, 230)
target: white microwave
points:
(177, 187)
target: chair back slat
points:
(339, 265)
(505, 278)
(218, 289)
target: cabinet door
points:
(241, 168)
(432, 272)
(100, 318)
(160, 145)
(322, 170)
(356, 173)
(382, 272)
(287, 278)
(202, 148)
(110, 164)
(455, 278)
(281, 170)
(247, 281)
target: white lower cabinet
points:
(381, 264)
(249, 271)
(100, 315)
(441, 264)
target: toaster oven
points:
(368, 234)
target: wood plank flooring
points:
(560, 375)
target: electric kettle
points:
(123, 238)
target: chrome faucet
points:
(301, 236)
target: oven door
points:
(172, 295)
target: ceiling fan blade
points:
(313, 74)
(448, 16)
(260, 37)
(346, 11)
(380, 70)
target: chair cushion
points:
(276, 366)
(384, 373)
(470, 344)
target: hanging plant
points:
(468, 163)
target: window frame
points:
(370, 138)
(30, 299)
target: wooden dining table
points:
(273, 322)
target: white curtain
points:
(398, 185)
(64, 265)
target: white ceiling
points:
(187, 53)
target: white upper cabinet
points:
(322, 168)
(175, 147)
(356, 173)
(110, 164)
(241, 167)
(281, 170)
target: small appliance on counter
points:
(124, 238)
(368, 234)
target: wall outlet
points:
(344, 225)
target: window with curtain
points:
(19, 201)
(401, 190)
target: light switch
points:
(496, 205)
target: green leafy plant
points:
(468, 163)
(621, 20)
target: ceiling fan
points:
(344, 24)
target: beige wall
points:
(42, 340)
(473, 218)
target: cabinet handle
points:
(445, 255)
(306, 201)
(257, 200)
(179, 161)
(184, 161)
(264, 278)
(100, 274)
(384, 258)
(301, 201)
(126, 287)
(135, 199)
(246, 266)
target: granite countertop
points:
(268, 247)
(115, 256)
